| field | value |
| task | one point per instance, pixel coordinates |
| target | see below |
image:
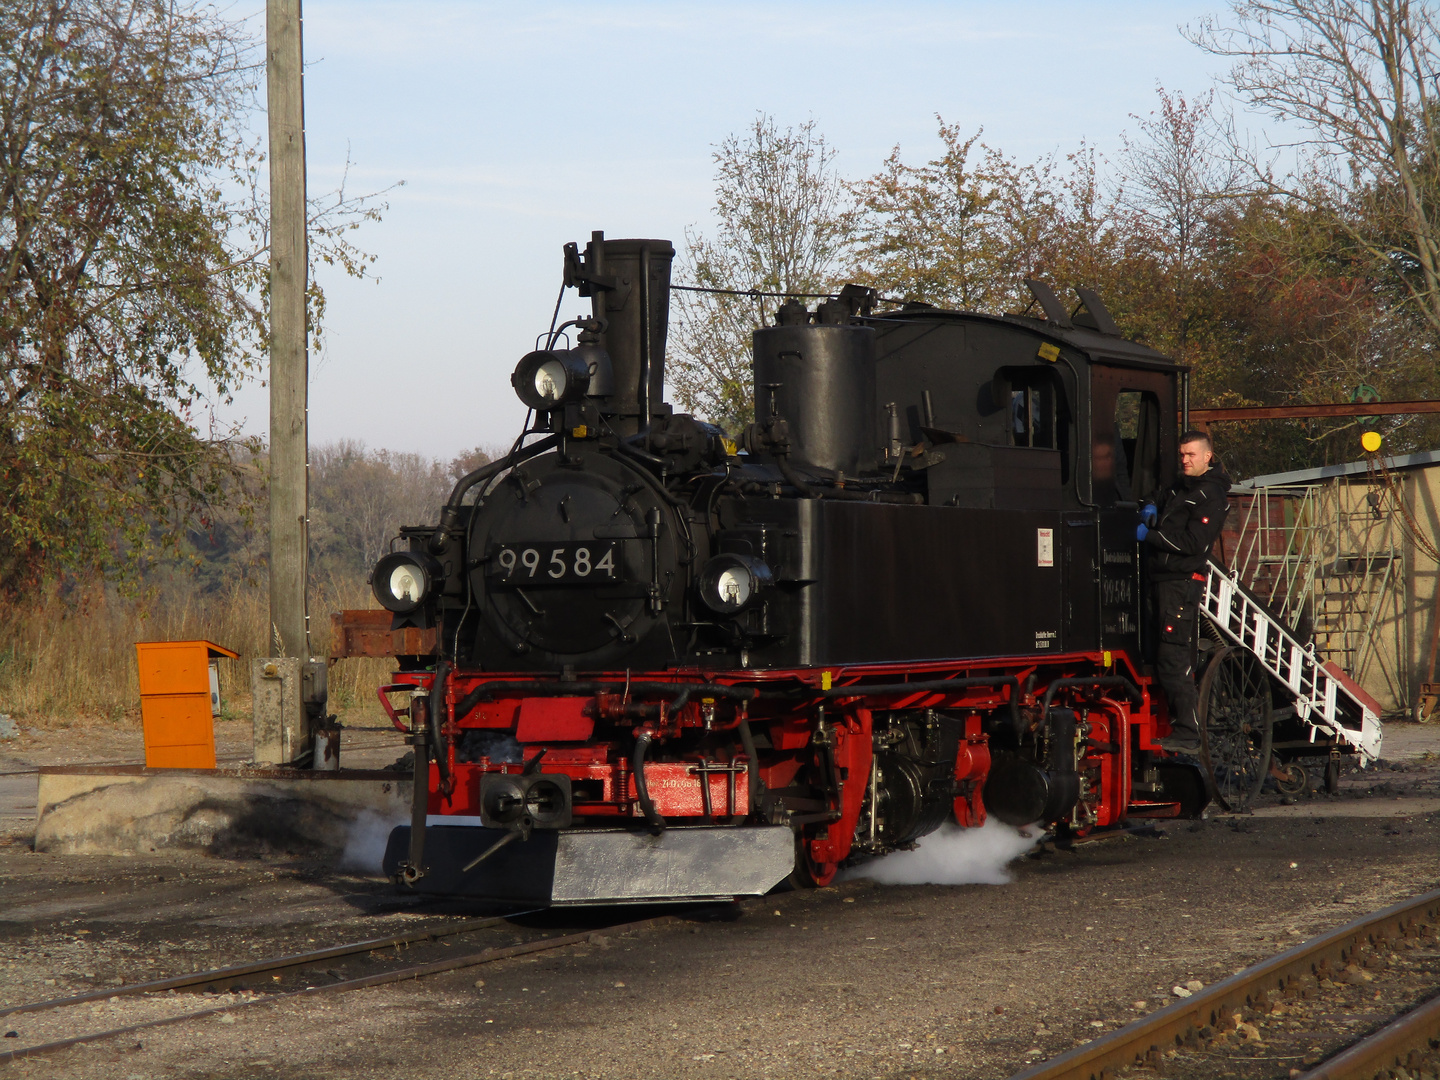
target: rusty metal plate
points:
(367, 633)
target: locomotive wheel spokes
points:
(1235, 726)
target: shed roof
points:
(1300, 477)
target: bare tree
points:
(1357, 81)
(361, 498)
(783, 227)
(1176, 171)
(1179, 185)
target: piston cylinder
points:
(821, 379)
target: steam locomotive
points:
(655, 663)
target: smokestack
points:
(629, 285)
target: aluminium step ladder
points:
(1327, 701)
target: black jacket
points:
(1191, 512)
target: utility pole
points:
(289, 366)
(281, 727)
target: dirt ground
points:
(858, 980)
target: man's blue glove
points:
(1148, 514)
(1141, 531)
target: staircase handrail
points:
(1327, 700)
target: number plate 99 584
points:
(558, 562)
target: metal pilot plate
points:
(596, 866)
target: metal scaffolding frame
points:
(1330, 567)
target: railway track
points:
(311, 973)
(1411, 1043)
(1229, 1020)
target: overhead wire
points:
(555, 315)
(758, 293)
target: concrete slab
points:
(1408, 741)
(131, 810)
(17, 795)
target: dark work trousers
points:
(1177, 605)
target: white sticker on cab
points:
(1045, 547)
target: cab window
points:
(1038, 414)
(1137, 435)
(1032, 416)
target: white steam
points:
(953, 856)
(365, 841)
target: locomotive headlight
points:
(407, 584)
(550, 381)
(728, 583)
(403, 580)
(734, 586)
(549, 377)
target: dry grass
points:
(71, 659)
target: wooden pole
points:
(289, 365)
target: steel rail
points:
(1167, 1028)
(414, 971)
(1386, 1049)
(260, 967)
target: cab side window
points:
(1032, 415)
(1038, 411)
(1137, 437)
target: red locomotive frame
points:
(810, 722)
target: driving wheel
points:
(1235, 726)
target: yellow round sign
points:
(1370, 441)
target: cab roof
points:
(1096, 345)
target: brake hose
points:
(642, 789)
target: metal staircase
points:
(1354, 589)
(1327, 700)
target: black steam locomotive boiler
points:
(655, 660)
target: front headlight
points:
(547, 378)
(550, 381)
(403, 580)
(728, 583)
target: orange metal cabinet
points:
(175, 702)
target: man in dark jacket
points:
(1178, 531)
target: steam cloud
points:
(368, 834)
(365, 841)
(953, 856)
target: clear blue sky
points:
(518, 127)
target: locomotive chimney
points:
(628, 282)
